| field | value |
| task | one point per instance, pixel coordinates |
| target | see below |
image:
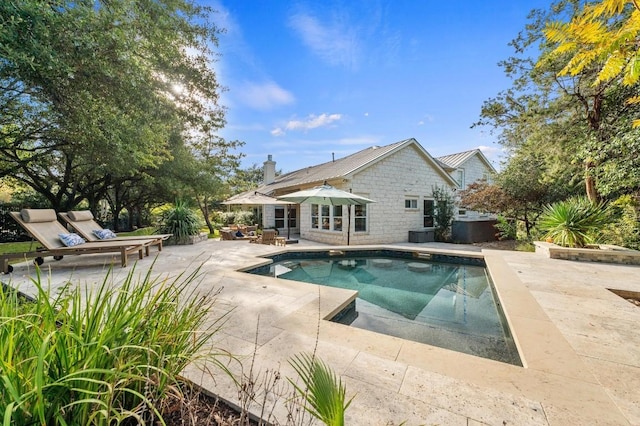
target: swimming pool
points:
(447, 301)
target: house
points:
(467, 167)
(400, 177)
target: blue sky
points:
(307, 80)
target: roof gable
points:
(454, 161)
(348, 166)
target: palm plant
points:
(323, 391)
(182, 222)
(575, 222)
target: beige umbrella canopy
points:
(327, 194)
(253, 198)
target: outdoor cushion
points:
(38, 215)
(80, 215)
(71, 239)
(104, 234)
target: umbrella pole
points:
(348, 222)
(288, 221)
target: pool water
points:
(441, 304)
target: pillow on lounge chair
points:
(71, 240)
(80, 215)
(104, 234)
(239, 234)
(38, 215)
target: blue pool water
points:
(450, 305)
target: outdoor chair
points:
(84, 224)
(230, 235)
(43, 225)
(268, 237)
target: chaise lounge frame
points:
(46, 233)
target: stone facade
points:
(603, 253)
(405, 174)
(473, 169)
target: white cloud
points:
(313, 121)
(336, 43)
(264, 96)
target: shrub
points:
(98, 357)
(444, 213)
(574, 222)
(625, 230)
(238, 217)
(181, 221)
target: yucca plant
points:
(98, 357)
(181, 221)
(324, 393)
(574, 222)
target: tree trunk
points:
(590, 182)
(204, 208)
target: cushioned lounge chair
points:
(84, 224)
(43, 225)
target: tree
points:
(91, 91)
(247, 179)
(604, 35)
(565, 117)
(520, 192)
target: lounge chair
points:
(43, 225)
(84, 224)
(268, 237)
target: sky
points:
(309, 80)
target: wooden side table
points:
(281, 241)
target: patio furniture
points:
(43, 225)
(84, 224)
(268, 237)
(230, 235)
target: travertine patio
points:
(579, 341)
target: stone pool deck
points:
(578, 340)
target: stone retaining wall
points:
(605, 253)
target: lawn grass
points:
(20, 247)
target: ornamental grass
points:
(100, 356)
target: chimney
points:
(269, 170)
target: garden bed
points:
(605, 253)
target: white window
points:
(360, 217)
(460, 178)
(326, 217)
(410, 203)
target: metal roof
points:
(453, 161)
(342, 168)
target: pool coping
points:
(552, 372)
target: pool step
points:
(421, 255)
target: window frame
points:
(429, 223)
(359, 218)
(327, 218)
(411, 203)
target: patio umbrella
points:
(255, 198)
(328, 195)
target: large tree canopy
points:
(604, 34)
(92, 91)
(568, 121)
